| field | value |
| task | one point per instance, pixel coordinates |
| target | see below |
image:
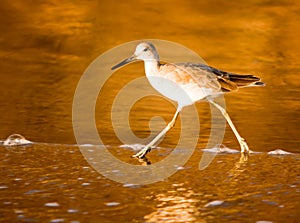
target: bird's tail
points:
(245, 80)
(231, 81)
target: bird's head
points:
(144, 51)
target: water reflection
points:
(55, 178)
(183, 204)
(178, 205)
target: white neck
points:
(151, 67)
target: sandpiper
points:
(187, 83)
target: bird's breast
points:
(177, 84)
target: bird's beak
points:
(124, 62)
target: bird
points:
(188, 83)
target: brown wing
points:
(228, 81)
(195, 74)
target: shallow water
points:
(45, 47)
(62, 187)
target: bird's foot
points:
(141, 154)
(244, 147)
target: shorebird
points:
(197, 81)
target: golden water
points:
(45, 46)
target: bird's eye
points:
(145, 49)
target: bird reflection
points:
(144, 161)
(239, 166)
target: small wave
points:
(279, 152)
(221, 149)
(135, 147)
(16, 140)
(19, 140)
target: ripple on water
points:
(52, 204)
(57, 220)
(72, 210)
(214, 203)
(2, 187)
(112, 204)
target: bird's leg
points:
(147, 148)
(243, 144)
